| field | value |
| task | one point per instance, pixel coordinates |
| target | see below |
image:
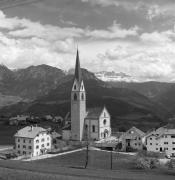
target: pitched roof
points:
(132, 135)
(94, 112)
(78, 75)
(29, 132)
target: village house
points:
(161, 140)
(19, 119)
(93, 123)
(132, 139)
(32, 141)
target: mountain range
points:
(43, 89)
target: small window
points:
(19, 152)
(48, 138)
(82, 96)
(37, 147)
(135, 144)
(24, 146)
(86, 126)
(173, 142)
(173, 136)
(93, 128)
(75, 97)
(150, 143)
(18, 146)
(30, 147)
(173, 148)
(75, 87)
(104, 114)
(18, 140)
(42, 140)
(24, 141)
(42, 145)
(165, 142)
(150, 138)
(48, 144)
(24, 152)
(37, 141)
(30, 141)
(104, 121)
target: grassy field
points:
(97, 160)
(71, 166)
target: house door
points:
(105, 133)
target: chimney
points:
(31, 128)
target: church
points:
(91, 124)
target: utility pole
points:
(87, 155)
(87, 148)
(111, 159)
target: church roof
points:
(94, 113)
(78, 74)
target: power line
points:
(18, 3)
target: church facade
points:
(92, 124)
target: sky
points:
(136, 37)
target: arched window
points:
(75, 97)
(75, 87)
(104, 121)
(82, 87)
(82, 96)
(93, 128)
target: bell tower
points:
(78, 103)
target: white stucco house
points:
(32, 141)
(161, 140)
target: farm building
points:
(132, 139)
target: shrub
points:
(146, 163)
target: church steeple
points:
(78, 103)
(78, 69)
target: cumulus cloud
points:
(151, 9)
(24, 42)
(143, 62)
(114, 31)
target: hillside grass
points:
(71, 166)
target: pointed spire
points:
(77, 68)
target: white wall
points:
(104, 126)
(22, 148)
(165, 142)
(90, 123)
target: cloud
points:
(114, 31)
(158, 37)
(151, 9)
(147, 63)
